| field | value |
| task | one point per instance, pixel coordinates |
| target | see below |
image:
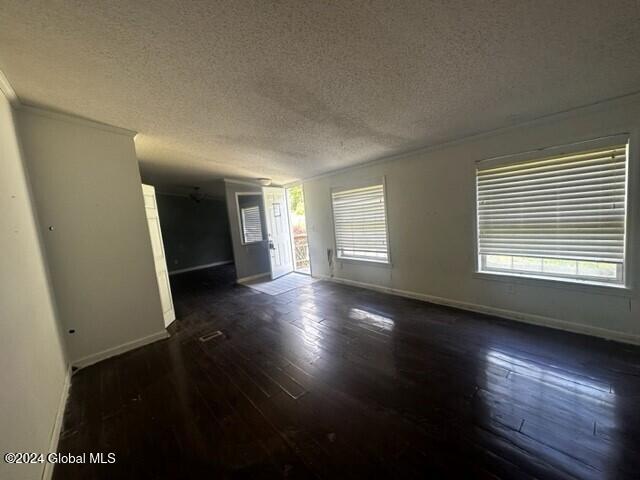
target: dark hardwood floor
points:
(330, 381)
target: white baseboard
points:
(253, 277)
(125, 347)
(498, 312)
(47, 472)
(200, 267)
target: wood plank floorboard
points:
(332, 381)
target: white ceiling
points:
(289, 89)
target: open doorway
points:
(300, 245)
(268, 233)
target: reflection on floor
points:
(331, 381)
(280, 285)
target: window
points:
(360, 224)
(251, 224)
(558, 217)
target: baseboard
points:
(125, 347)
(498, 312)
(200, 267)
(47, 472)
(253, 277)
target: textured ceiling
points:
(289, 89)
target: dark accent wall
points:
(194, 233)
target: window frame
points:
(370, 182)
(240, 223)
(617, 281)
(593, 284)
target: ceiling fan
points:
(197, 196)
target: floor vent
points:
(210, 336)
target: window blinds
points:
(566, 207)
(360, 223)
(251, 224)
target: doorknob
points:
(271, 247)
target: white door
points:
(151, 207)
(277, 215)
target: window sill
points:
(374, 263)
(550, 282)
(247, 244)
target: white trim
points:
(242, 182)
(361, 183)
(551, 151)
(47, 472)
(498, 312)
(240, 224)
(626, 286)
(595, 106)
(200, 267)
(125, 347)
(71, 118)
(366, 261)
(525, 278)
(629, 231)
(293, 247)
(253, 277)
(304, 198)
(9, 92)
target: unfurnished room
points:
(319, 239)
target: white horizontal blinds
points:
(360, 223)
(251, 224)
(567, 207)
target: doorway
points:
(299, 242)
(272, 232)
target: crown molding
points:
(78, 120)
(15, 102)
(542, 120)
(242, 182)
(8, 90)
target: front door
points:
(277, 216)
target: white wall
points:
(86, 185)
(31, 351)
(431, 210)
